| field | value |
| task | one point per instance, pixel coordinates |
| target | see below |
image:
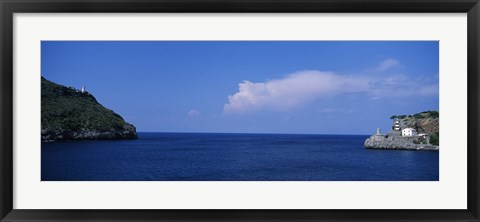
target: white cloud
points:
(292, 91)
(298, 89)
(334, 110)
(400, 85)
(430, 89)
(387, 64)
(193, 113)
(328, 110)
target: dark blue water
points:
(233, 157)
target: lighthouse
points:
(83, 89)
(396, 126)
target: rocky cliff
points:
(69, 114)
(392, 141)
(424, 123)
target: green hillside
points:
(70, 114)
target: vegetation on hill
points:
(425, 114)
(68, 113)
(434, 138)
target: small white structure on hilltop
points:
(83, 89)
(378, 131)
(409, 132)
(424, 135)
(396, 126)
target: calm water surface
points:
(233, 157)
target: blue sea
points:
(233, 157)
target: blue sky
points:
(317, 87)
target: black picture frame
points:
(9, 7)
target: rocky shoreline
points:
(418, 131)
(395, 142)
(128, 132)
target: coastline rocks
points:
(128, 132)
(393, 141)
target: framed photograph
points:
(238, 110)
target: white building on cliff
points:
(409, 132)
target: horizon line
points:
(333, 134)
